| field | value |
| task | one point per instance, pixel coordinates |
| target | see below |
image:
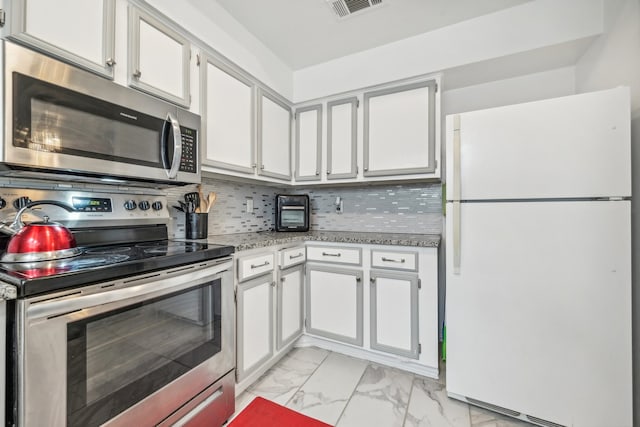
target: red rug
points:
(264, 413)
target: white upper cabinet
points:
(227, 108)
(77, 31)
(342, 131)
(158, 58)
(400, 130)
(308, 142)
(274, 136)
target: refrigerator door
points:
(569, 147)
(539, 316)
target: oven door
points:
(128, 352)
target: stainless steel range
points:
(134, 330)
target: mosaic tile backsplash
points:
(396, 208)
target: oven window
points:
(116, 359)
(292, 217)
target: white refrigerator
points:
(538, 260)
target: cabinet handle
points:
(262, 167)
(372, 279)
(393, 260)
(264, 264)
(328, 172)
(110, 62)
(254, 165)
(296, 256)
(137, 74)
(273, 284)
(330, 254)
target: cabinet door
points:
(227, 106)
(289, 306)
(394, 313)
(334, 303)
(342, 121)
(158, 58)
(308, 143)
(255, 324)
(399, 130)
(54, 27)
(274, 136)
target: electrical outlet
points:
(249, 204)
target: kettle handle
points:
(17, 224)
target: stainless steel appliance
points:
(292, 212)
(135, 330)
(58, 118)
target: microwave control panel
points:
(188, 162)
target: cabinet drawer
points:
(395, 260)
(292, 256)
(338, 255)
(254, 265)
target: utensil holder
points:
(197, 226)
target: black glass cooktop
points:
(101, 263)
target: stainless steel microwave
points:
(292, 212)
(64, 120)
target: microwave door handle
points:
(177, 145)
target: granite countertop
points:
(246, 241)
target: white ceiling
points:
(307, 32)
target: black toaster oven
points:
(292, 212)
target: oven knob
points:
(3, 203)
(144, 205)
(130, 205)
(156, 206)
(20, 202)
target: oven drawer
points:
(335, 254)
(292, 256)
(255, 265)
(394, 260)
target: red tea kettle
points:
(40, 240)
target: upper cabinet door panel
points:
(341, 138)
(274, 137)
(54, 27)
(399, 130)
(158, 58)
(228, 109)
(308, 143)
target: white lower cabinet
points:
(255, 324)
(289, 309)
(394, 312)
(334, 303)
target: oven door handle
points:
(172, 122)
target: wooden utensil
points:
(202, 202)
(211, 199)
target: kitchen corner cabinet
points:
(400, 130)
(54, 27)
(342, 131)
(334, 303)
(255, 324)
(289, 308)
(159, 58)
(308, 142)
(227, 107)
(274, 136)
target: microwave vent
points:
(345, 8)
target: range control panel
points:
(88, 208)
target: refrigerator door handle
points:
(456, 158)
(456, 236)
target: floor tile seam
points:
(364, 371)
(308, 377)
(406, 412)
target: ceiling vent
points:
(344, 8)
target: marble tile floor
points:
(348, 392)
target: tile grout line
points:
(406, 412)
(309, 376)
(352, 393)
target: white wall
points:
(530, 87)
(530, 26)
(222, 32)
(614, 60)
